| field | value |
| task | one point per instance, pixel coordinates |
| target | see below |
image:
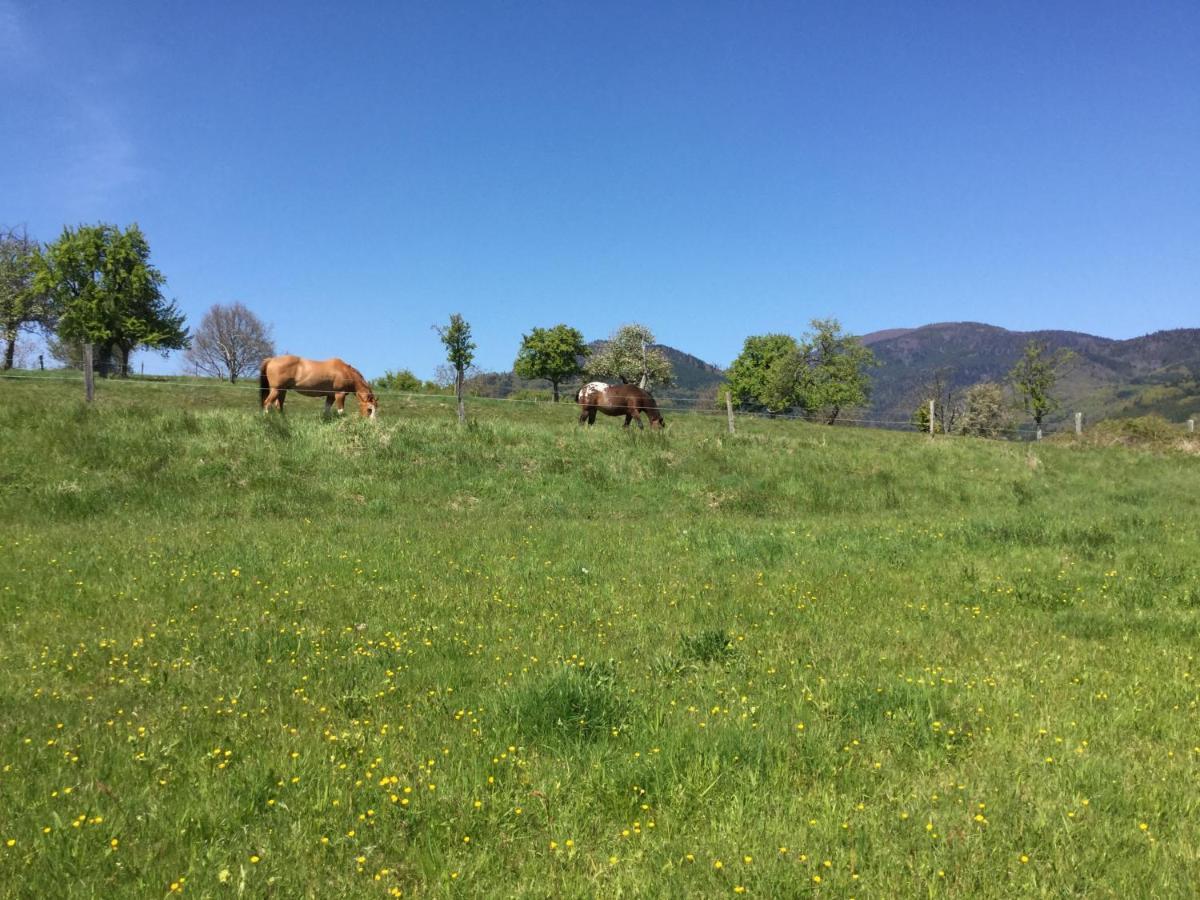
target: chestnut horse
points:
(332, 379)
(626, 400)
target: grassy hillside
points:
(248, 656)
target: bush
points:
(985, 413)
(1143, 429)
(404, 380)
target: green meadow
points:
(248, 656)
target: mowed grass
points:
(302, 658)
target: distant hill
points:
(1157, 373)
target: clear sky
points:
(355, 172)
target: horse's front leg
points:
(637, 417)
(340, 400)
(328, 405)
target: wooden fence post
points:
(1039, 433)
(1079, 423)
(729, 409)
(1191, 426)
(89, 384)
(931, 418)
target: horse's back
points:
(296, 372)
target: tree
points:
(460, 353)
(1035, 376)
(825, 375)
(630, 355)
(100, 282)
(750, 377)
(552, 354)
(984, 410)
(230, 342)
(23, 308)
(947, 402)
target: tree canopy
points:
(22, 306)
(985, 412)
(105, 291)
(1035, 376)
(630, 356)
(552, 354)
(750, 375)
(231, 342)
(834, 376)
(823, 373)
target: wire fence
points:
(687, 405)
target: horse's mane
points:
(359, 374)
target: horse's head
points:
(367, 404)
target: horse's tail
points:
(264, 384)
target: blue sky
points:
(713, 170)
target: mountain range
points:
(1155, 373)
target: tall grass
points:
(287, 656)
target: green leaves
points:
(22, 305)
(460, 349)
(1035, 375)
(751, 375)
(824, 373)
(552, 354)
(101, 282)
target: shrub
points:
(985, 413)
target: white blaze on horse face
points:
(591, 390)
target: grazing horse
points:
(332, 379)
(626, 400)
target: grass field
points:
(248, 656)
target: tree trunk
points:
(10, 351)
(125, 353)
(833, 414)
(555, 383)
(103, 363)
(458, 392)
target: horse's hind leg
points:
(273, 399)
(628, 419)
